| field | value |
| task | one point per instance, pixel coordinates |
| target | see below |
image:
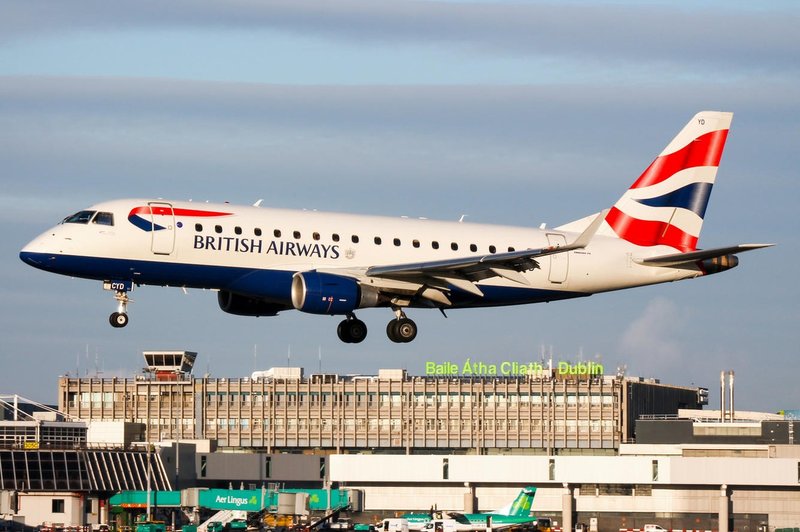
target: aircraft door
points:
(163, 234)
(559, 263)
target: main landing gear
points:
(400, 330)
(352, 330)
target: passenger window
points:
(435, 244)
(257, 231)
(296, 234)
(277, 233)
(396, 241)
(473, 247)
(81, 217)
(218, 228)
(198, 228)
(237, 230)
(510, 249)
(104, 218)
(354, 239)
(378, 240)
(335, 237)
(492, 249)
(415, 243)
(315, 236)
(454, 246)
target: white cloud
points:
(654, 338)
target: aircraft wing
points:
(677, 259)
(432, 279)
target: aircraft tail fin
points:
(521, 507)
(667, 203)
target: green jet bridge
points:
(235, 505)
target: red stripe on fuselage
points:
(705, 150)
(649, 232)
(166, 211)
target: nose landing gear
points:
(120, 317)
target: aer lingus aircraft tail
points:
(521, 507)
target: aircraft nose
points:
(29, 258)
(39, 252)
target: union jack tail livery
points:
(666, 205)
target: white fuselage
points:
(256, 251)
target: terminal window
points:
(58, 506)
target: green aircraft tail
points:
(521, 507)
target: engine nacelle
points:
(325, 293)
(719, 264)
(247, 306)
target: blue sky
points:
(510, 112)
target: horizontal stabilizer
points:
(675, 259)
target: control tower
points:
(169, 365)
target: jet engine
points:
(247, 306)
(325, 293)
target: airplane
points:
(263, 261)
(516, 514)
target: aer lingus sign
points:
(248, 500)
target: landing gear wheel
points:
(352, 331)
(118, 319)
(391, 331)
(401, 331)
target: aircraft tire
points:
(401, 331)
(391, 331)
(343, 332)
(357, 330)
(352, 331)
(118, 319)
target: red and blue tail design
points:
(666, 205)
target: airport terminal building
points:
(280, 410)
(612, 450)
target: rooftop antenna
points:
(289, 356)
(255, 357)
(319, 355)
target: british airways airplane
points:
(263, 261)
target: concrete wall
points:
(619, 490)
(521, 470)
(37, 508)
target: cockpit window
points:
(104, 218)
(81, 217)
